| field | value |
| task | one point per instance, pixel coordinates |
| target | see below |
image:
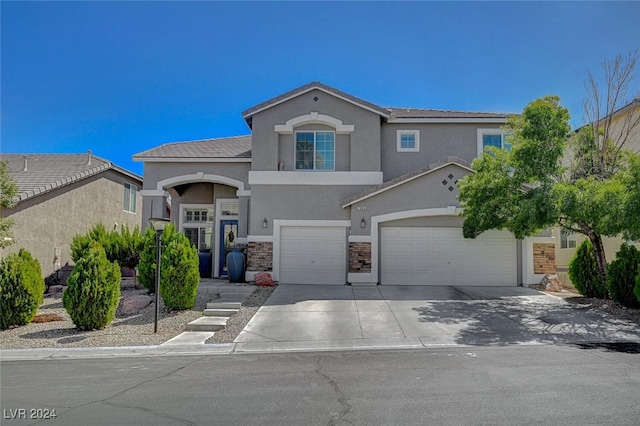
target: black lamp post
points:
(158, 224)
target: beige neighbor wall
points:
(51, 220)
(564, 256)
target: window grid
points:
(315, 150)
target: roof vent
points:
(88, 157)
(24, 169)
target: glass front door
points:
(228, 236)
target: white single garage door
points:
(442, 256)
(313, 255)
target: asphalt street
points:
(512, 384)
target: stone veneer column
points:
(259, 256)
(359, 257)
(544, 258)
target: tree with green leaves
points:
(587, 182)
(8, 193)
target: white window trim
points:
(482, 132)
(314, 118)
(416, 135)
(314, 151)
(135, 198)
(569, 237)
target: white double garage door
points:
(407, 256)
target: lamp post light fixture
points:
(158, 224)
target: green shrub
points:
(126, 246)
(636, 289)
(93, 291)
(81, 243)
(621, 276)
(179, 273)
(21, 289)
(584, 273)
(147, 264)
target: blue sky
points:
(123, 77)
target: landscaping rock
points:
(55, 289)
(550, 282)
(264, 279)
(130, 305)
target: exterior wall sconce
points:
(363, 223)
(265, 223)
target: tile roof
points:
(387, 112)
(369, 192)
(231, 147)
(438, 113)
(45, 172)
(307, 88)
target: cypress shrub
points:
(179, 273)
(81, 243)
(621, 276)
(21, 289)
(147, 263)
(127, 246)
(93, 291)
(584, 273)
(636, 289)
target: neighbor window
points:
(408, 140)
(130, 192)
(492, 137)
(567, 240)
(315, 151)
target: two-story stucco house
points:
(332, 189)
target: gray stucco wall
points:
(425, 192)
(51, 220)
(297, 202)
(364, 142)
(437, 141)
(155, 172)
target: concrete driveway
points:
(320, 316)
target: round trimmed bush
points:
(584, 273)
(179, 273)
(21, 289)
(93, 291)
(621, 276)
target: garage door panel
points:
(312, 255)
(442, 256)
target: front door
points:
(228, 236)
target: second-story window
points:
(408, 141)
(495, 138)
(315, 150)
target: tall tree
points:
(8, 192)
(588, 182)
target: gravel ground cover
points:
(137, 329)
(132, 330)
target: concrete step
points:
(190, 338)
(207, 324)
(219, 312)
(223, 305)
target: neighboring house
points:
(332, 189)
(61, 195)
(567, 243)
